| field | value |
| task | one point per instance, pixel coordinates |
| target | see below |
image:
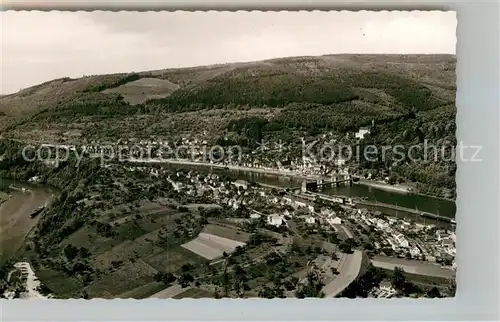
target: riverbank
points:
(15, 218)
(269, 171)
(4, 197)
(403, 189)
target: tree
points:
(433, 293)
(70, 252)
(398, 279)
(186, 279)
(186, 267)
(346, 246)
(311, 287)
(84, 295)
(165, 277)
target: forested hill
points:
(332, 92)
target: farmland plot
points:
(171, 260)
(226, 232)
(211, 246)
(125, 279)
(60, 283)
(89, 238)
(194, 293)
(128, 250)
(143, 291)
(141, 90)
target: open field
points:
(226, 232)
(171, 260)
(125, 251)
(194, 293)
(126, 278)
(211, 246)
(141, 90)
(59, 283)
(142, 291)
(168, 292)
(413, 266)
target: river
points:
(15, 220)
(429, 204)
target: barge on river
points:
(37, 211)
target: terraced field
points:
(125, 258)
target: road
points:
(413, 266)
(348, 272)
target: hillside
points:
(347, 90)
(411, 98)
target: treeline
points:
(270, 91)
(408, 92)
(126, 79)
(96, 105)
(279, 90)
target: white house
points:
(362, 132)
(382, 224)
(414, 251)
(299, 203)
(405, 225)
(447, 242)
(453, 237)
(275, 220)
(310, 220)
(430, 258)
(394, 244)
(340, 161)
(254, 216)
(325, 212)
(336, 221)
(400, 238)
(241, 183)
(391, 220)
(311, 208)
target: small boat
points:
(37, 211)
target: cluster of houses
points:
(394, 231)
